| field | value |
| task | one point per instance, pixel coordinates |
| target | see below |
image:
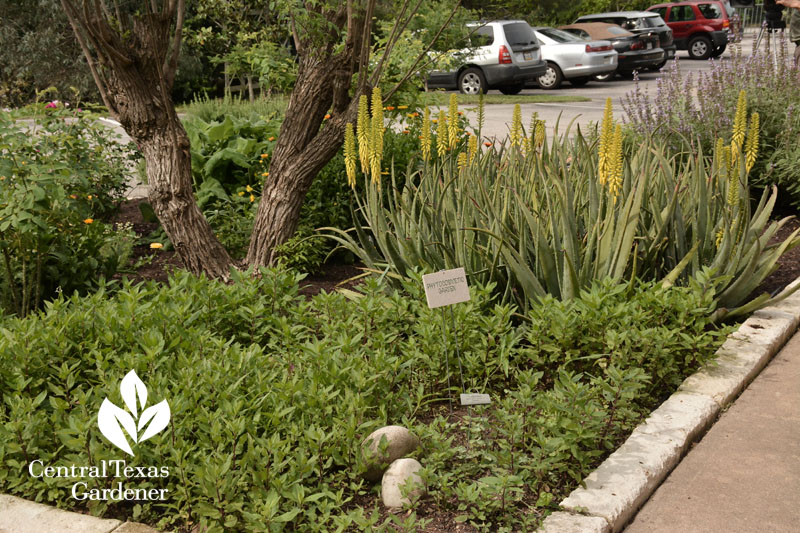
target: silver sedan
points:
(571, 58)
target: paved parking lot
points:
(498, 116)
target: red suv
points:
(699, 26)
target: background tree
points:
(132, 53)
(37, 51)
(132, 49)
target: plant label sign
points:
(475, 399)
(446, 287)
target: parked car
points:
(640, 22)
(635, 52)
(504, 55)
(573, 59)
(700, 27)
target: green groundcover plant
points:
(271, 395)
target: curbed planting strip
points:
(612, 494)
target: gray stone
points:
(402, 473)
(399, 443)
(573, 523)
(21, 516)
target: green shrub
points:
(57, 179)
(271, 395)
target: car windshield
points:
(520, 33)
(559, 36)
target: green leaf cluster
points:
(271, 395)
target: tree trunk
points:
(169, 174)
(144, 109)
(303, 149)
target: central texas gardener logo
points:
(138, 422)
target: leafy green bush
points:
(272, 394)
(541, 219)
(57, 178)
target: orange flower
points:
(487, 143)
(327, 116)
(88, 221)
(156, 245)
(252, 198)
(264, 156)
(271, 139)
(467, 133)
(73, 196)
(89, 197)
(265, 174)
(389, 108)
(406, 131)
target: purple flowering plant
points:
(690, 112)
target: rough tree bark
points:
(133, 59)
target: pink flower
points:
(52, 105)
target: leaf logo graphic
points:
(115, 423)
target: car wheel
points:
(511, 89)
(471, 81)
(579, 82)
(700, 47)
(608, 76)
(719, 51)
(552, 77)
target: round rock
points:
(399, 443)
(402, 473)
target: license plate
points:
(527, 56)
(649, 46)
(607, 60)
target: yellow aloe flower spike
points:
(350, 155)
(539, 134)
(516, 126)
(739, 123)
(731, 165)
(751, 148)
(363, 127)
(441, 134)
(615, 164)
(425, 138)
(720, 235)
(452, 122)
(606, 139)
(461, 161)
(472, 147)
(376, 136)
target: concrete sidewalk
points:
(744, 475)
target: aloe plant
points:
(551, 219)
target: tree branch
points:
(171, 66)
(397, 30)
(422, 54)
(363, 57)
(71, 12)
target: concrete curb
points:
(22, 516)
(615, 491)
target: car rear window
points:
(520, 34)
(710, 11)
(560, 36)
(652, 22)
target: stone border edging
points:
(22, 516)
(614, 492)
